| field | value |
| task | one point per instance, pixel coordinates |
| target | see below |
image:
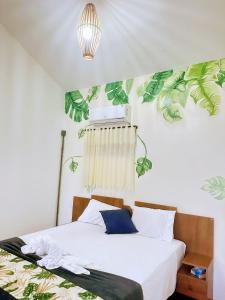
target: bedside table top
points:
(197, 260)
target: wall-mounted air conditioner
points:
(110, 114)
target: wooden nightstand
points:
(187, 284)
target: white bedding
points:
(150, 262)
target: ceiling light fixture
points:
(89, 31)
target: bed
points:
(128, 265)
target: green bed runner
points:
(26, 281)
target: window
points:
(110, 158)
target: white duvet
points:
(150, 262)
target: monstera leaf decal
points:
(155, 85)
(81, 133)
(93, 93)
(76, 106)
(129, 84)
(141, 89)
(143, 164)
(221, 75)
(173, 98)
(116, 93)
(216, 187)
(204, 90)
(73, 166)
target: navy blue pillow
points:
(118, 221)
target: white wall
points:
(184, 155)
(31, 115)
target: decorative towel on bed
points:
(54, 257)
(21, 278)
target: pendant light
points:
(89, 31)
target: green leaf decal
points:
(93, 93)
(115, 93)
(207, 95)
(216, 187)
(43, 296)
(221, 78)
(221, 75)
(204, 90)
(66, 284)
(73, 166)
(81, 133)
(143, 165)
(155, 85)
(207, 71)
(87, 296)
(153, 89)
(129, 84)
(76, 107)
(173, 98)
(141, 89)
(30, 289)
(162, 75)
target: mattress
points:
(150, 262)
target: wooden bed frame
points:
(197, 232)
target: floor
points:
(177, 296)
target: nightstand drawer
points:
(193, 287)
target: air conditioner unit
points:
(110, 114)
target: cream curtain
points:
(109, 161)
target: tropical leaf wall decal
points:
(73, 166)
(129, 84)
(143, 164)
(141, 89)
(93, 93)
(76, 107)
(169, 91)
(204, 90)
(155, 85)
(116, 93)
(173, 97)
(221, 75)
(216, 187)
(81, 133)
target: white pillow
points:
(92, 213)
(154, 223)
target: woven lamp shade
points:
(89, 31)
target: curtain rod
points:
(115, 127)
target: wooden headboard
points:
(80, 203)
(196, 232)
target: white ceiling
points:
(138, 36)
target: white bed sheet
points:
(150, 262)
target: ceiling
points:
(138, 36)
